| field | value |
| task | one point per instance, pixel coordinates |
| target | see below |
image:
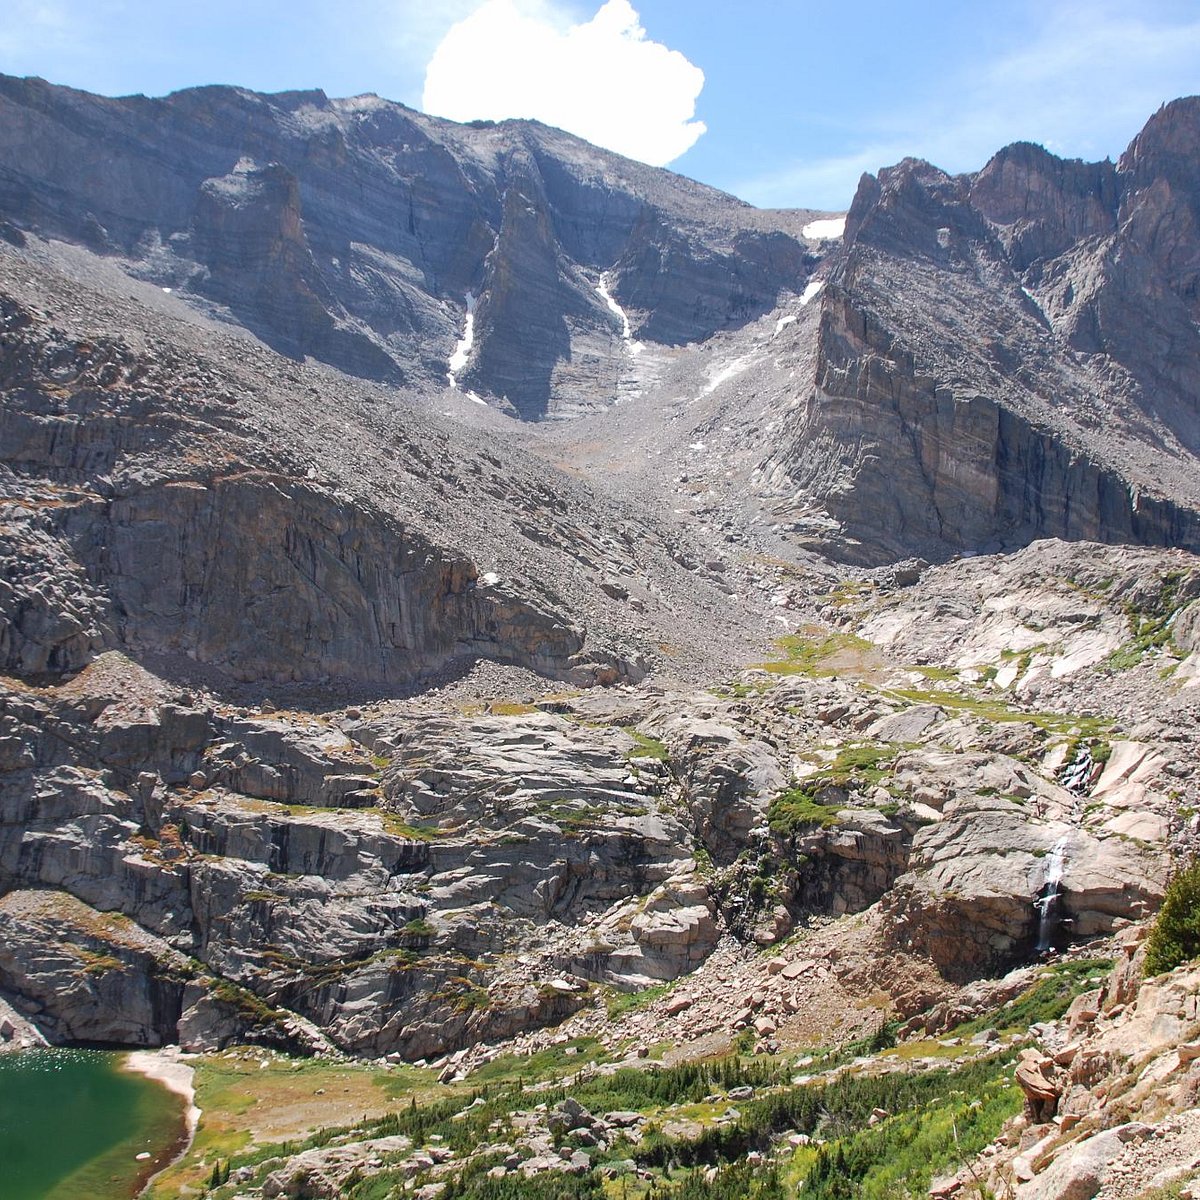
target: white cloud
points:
(601, 79)
(1083, 84)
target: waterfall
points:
(1047, 902)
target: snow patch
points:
(826, 229)
(631, 343)
(462, 352)
(1035, 302)
(812, 290)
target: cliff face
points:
(1013, 354)
(1002, 356)
(910, 460)
(142, 526)
(352, 230)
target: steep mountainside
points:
(358, 231)
(849, 606)
(1017, 352)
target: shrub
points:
(1175, 937)
(797, 811)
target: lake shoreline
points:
(77, 1121)
(166, 1067)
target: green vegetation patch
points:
(1151, 633)
(1149, 625)
(854, 769)
(646, 746)
(1175, 937)
(556, 1186)
(848, 592)
(940, 1126)
(997, 711)
(937, 674)
(810, 656)
(398, 827)
(934, 1121)
(620, 1003)
(551, 1063)
(1046, 999)
(795, 811)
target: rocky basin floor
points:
(439, 874)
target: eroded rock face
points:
(365, 600)
(971, 899)
(352, 230)
(361, 598)
(727, 779)
(152, 527)
(1056, 269)
(251, 876)
(84, 976)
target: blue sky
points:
(795, 99)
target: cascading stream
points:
(1047, 903)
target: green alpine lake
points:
(72, 1124)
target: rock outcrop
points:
(1112, 1097)
(999, 356)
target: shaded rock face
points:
(84, 976)
(521, 320)
(249, 233)
(351, 230)
(1005, 356)
(849, 868)
(365, 601)
(683, 285)
(298, 581)
(153, 531)
(918, 463)
(1043, 204)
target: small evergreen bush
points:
(1175, 937)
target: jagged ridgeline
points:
(545, 680)
(355, 231)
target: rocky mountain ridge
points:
(355, 230)
(828, 666)
(1029, 330)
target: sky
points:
(782, 102)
